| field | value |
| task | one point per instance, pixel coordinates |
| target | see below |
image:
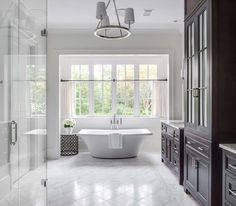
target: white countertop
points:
(229, 147)
(178, 124)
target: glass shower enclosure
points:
(23, 135)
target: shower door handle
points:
(13, 129)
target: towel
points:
(115, 141)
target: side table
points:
(69, 144)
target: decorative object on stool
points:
(69, 125)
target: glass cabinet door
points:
(190, 84)
(202, 70)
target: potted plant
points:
(69, 125)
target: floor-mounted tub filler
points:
(114, 143)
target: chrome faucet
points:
(114, 122)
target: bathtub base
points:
(97, 157)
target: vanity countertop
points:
(178, 124)
(229, 147)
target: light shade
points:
(105, 21)
(101, 10)
(129, 16)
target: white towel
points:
(115, 141)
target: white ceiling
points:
(80, 14)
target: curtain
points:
(160, 90)
(67, 99)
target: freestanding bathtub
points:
(98, 146)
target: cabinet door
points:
(191, 170)
(203, 70)
(197, 76)
(203, 179)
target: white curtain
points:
(160, 89)
(67, 99)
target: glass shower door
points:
(23, 103)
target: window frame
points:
(92, 59)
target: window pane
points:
(102, 98)
(120, 71)
(75, 71)
(143, 71)
(145, 98)
(120, 90)
(84, 107)
(152, 71)
(98, 90)
(120, 106)
(107, 71)
(84, 72)
(129, 90)
(98, 72)
(82, 98)
(129, 72)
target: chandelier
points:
(105, 30)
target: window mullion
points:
(136, 91)
(114, 86)
(91, 90)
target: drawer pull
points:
(232, 166)
(232, 192)
(201, 148)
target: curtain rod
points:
(115, 80)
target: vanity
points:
(229, 174)
(172, 146)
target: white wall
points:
(57, 43)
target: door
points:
(203, 179)
(190, 170)
(22, 102)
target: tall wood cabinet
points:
(210, 94)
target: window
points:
(129, 86)
(81, 94)
(146, 74)
(102, 89)
(125, 89)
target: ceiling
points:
(79, 15)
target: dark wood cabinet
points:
(229, 178)
(210, 100)
(172, 147)
(197, 168)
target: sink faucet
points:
(114, 123)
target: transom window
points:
(125, 85)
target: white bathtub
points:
(97, 142)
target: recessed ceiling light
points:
(147, 12)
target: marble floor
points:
(85, 181)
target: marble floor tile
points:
(86, 181)
(82, 180)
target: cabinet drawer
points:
(197, 146)
(230, 163)
(230, 189)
